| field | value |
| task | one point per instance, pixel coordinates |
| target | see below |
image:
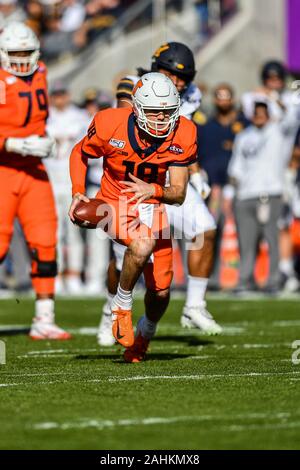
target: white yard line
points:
(115, 379)
(38, 374)
(202, 357)
(155, 347)
(8, 385)
(42, 356)
(84, 330)
(101, 424)
(13, 327)
(285, 323)
(229, 329)
(200, 377)
(58, 351)
(262, 426)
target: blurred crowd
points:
(64, 26)
(213, 14)
(250, 151)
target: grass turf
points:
(236, 391)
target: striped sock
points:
(123, 299)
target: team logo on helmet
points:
(138, 85)
(161, 49)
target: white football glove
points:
(198, 181)
(34, 146)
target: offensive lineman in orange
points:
(139, 146)
(25, 191)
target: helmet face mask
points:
(19, 49)
(21, 66)
(155, 127)
(156, 105)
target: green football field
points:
(236, 391)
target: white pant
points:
(190, 219)
(97, 250)
(69, 237)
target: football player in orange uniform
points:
(25, 191)
(192, 221)
(139, 146)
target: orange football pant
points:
(27, 194)
(123, 226)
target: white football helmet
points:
(17, 37)
(154, 91)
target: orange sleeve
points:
(78, 169)
(91, 146)
(2, 142)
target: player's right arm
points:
(89, 147)
(78, 169)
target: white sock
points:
(44, 309)
(286, 266)
(147, 327)
(123, 299)
(196, 289)
(109, 298)
(109, 301)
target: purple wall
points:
(293, 35)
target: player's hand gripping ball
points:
(84, 212)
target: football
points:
(85, 214)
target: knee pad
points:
(41, 268)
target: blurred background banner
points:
(293, 35)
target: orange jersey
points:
(23, 111)
(113, 135)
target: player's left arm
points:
(174, 194)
